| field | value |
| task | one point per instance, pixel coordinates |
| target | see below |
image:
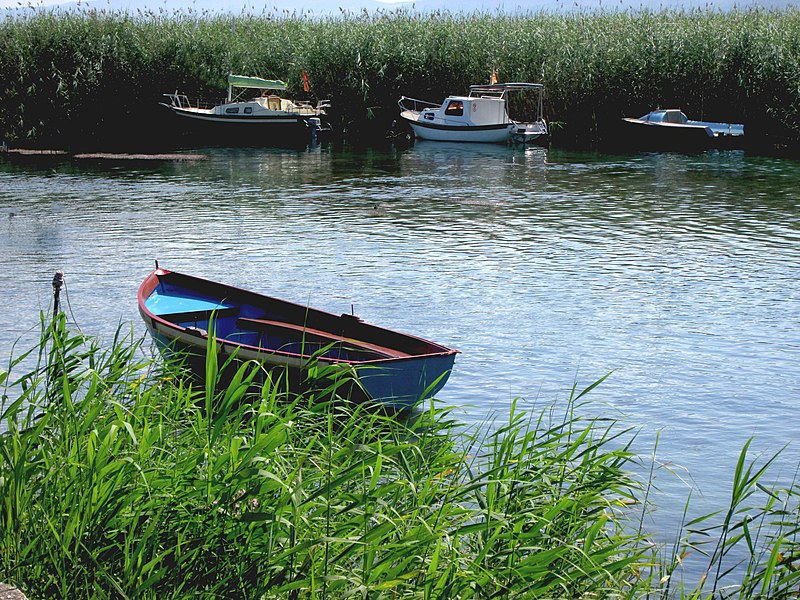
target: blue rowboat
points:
(394, 369)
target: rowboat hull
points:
(394, 369)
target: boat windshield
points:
(455, 108)
(666, 116)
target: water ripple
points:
(546, 268)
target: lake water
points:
(546, 268)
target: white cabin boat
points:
(252, 112)
(481, 117)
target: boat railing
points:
(182, 101)
(306, 106)
(406, 103)
(487, 93)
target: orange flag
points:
(493, 78)
(306, 87)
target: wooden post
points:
(58, 283)
(53, 367)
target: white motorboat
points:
(481, 117)
(253, 112)
(671, 129)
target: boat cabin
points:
(266, 105)
(467, 111)
(267, 102)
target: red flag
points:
(306, 87)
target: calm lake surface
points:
(677, 273)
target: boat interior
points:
(267, 334)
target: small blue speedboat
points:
(672, 129)
(394, 369)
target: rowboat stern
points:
(403, 384)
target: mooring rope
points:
(69, 306)
(59, 283)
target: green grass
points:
(120, 478)
(95, 75)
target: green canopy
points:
(240, 81)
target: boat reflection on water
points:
(484, 177)
(484, 162)
(478, 152)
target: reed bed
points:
(73, 76)
(121, 478)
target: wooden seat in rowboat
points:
(316, 335)
(201, 315)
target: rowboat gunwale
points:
(152, 281)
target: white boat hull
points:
(210, 117)
(522, 133)
(485, 134)
(529, 133)
(205, 127)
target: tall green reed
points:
(133, 481)
(121, 477)
(747, 549)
